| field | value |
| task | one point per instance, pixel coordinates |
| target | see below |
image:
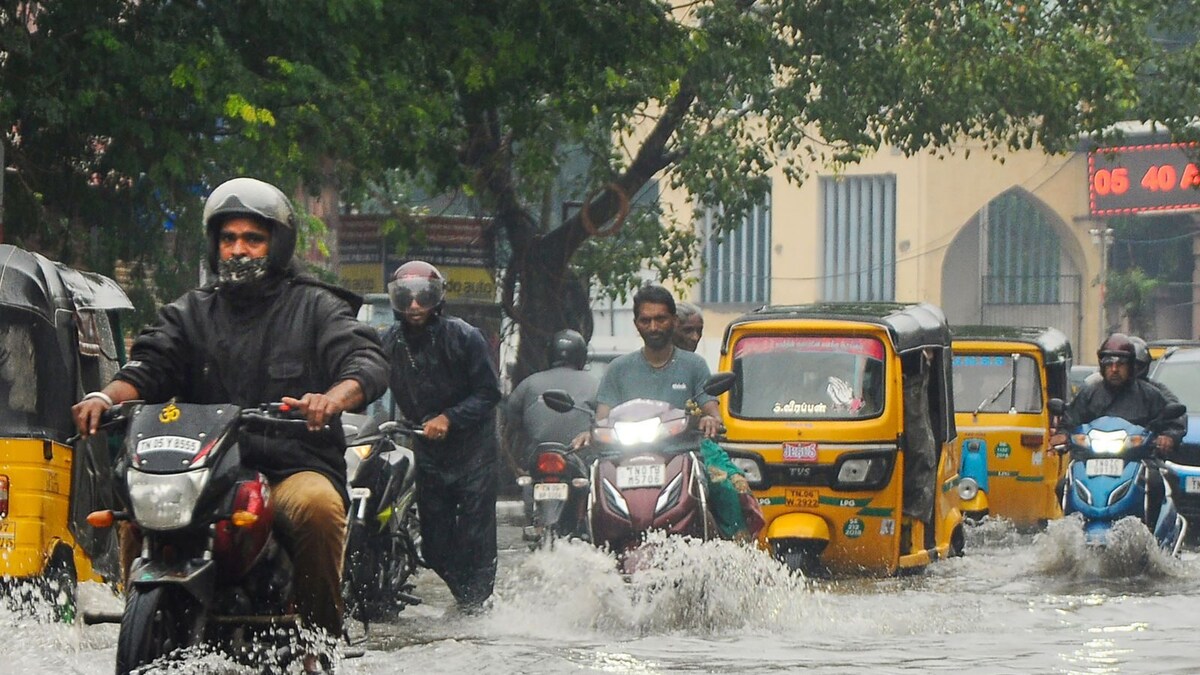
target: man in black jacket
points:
(264, 333)
(442, 378)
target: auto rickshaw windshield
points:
(996, 383)
(35, 397)
(809, 377)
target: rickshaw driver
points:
(262, 333)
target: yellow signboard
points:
(469, 284)
(362, 278)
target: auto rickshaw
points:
(1003, 377)
(59, 337)
(842, 418)
(1158, 348)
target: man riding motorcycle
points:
(529, 422)
(1121, 393)
(263, 332)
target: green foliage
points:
(118, 112)
(1133, 292)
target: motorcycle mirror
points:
(558, 400)
(1056, 406)
(719, 384)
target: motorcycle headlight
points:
(967, 489)
(165, 501)
(1107, 442)
(635, 433)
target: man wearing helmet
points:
(1122, 394)
(264, 332)
(529, 422)
(442, 377)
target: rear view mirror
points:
(558, 400)
(719, 384)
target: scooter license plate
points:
(641, 475)
(1192, 485)
(1105, 467)
(546, 491)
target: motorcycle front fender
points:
(807, 526)
(198, 578)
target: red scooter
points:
(646, 474)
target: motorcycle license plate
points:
(1192, 485)
(1105, 467)
(641, 475)
(545, 491)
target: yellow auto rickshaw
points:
(1003, 377)
(842, 418)
(59, 338)
(1158, 348)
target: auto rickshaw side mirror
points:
(558, 400)
(719, 384)
(1056, 406)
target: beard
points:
(656, 340)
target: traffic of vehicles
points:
(872, 436)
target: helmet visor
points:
(428, 293)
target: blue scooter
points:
(1112, 461)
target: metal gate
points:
(1034, 300)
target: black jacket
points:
(1139, 401)
(446, 367)
(299, 336)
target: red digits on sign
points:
(1115, 181)
(1159, 178)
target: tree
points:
(116, 111)
(708, 96)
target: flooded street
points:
(1017, 603)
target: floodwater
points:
(1016, 603)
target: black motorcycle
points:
(383, 531)
(211, 569)
(559, 482)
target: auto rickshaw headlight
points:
(967, 489)
(750, 469)
(863, 472)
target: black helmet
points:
(255, 199)
(568, 348)
(1141, 356)
(1118, 345)
(416, 280)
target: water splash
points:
(1131, 551)
(687, 585)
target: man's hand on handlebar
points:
(87, 414)
(318, 409)
(582, 440)
(1164, 445)
(1058, 442)
(436, 428)
(710, 426)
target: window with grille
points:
(859, 230)
(737, 264)
(1023, 253)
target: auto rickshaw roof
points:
(31, 282)
(1054, 344)
(911, 325)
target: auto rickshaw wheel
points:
(958, 543)
(803, 556)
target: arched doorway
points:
(1007, 267)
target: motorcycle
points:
(1111, 474)
(647, 474)
(559, 479)
(211, 569)
(383, 533)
